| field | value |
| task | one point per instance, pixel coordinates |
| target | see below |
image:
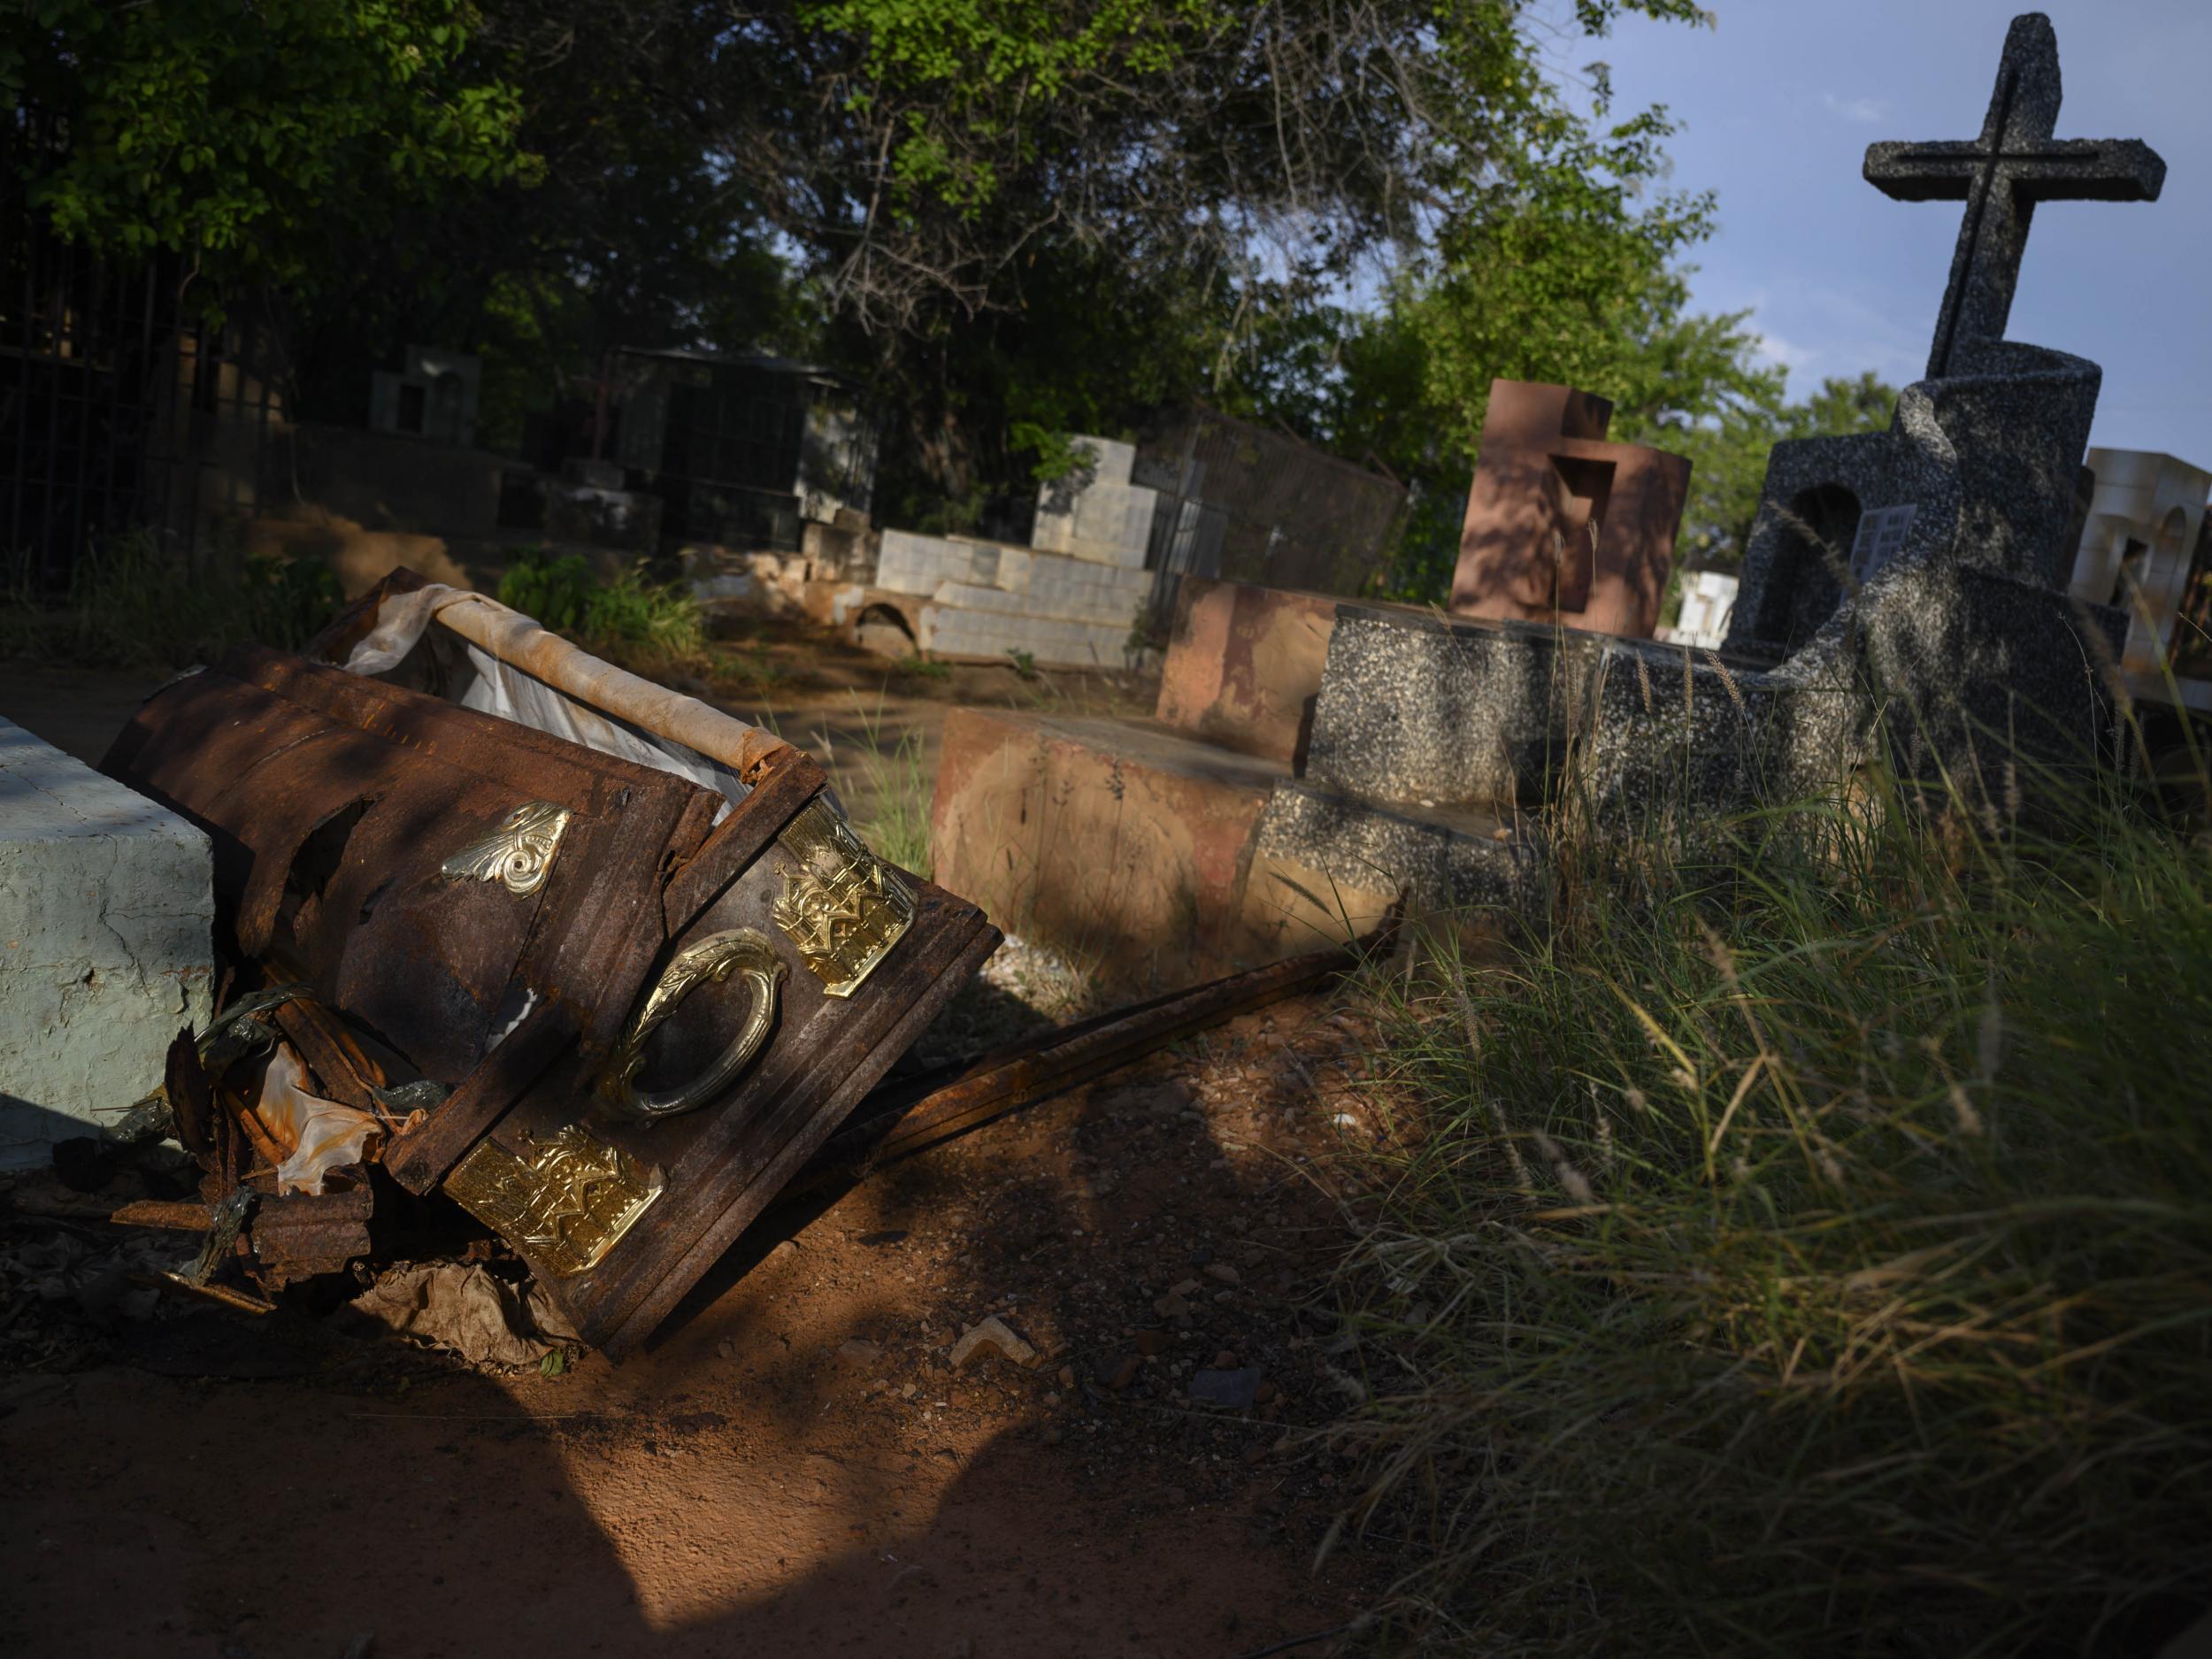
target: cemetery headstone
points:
(1561, 525)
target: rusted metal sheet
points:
(301, 1234)
(648, 1019)
(923, 1111)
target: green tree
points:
(1205, 175)
(1564, 265)
(250, 139)
(629, 230)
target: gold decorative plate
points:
(518, 853)
(565, 1205)
(842, 906)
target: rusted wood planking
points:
(731, 1202)
(420, 1158)
(803, 1088)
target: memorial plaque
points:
(1881, 534)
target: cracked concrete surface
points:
(106, 946)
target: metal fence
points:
(115, 398)
(1242, 503)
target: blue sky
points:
(1778, 103)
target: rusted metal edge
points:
(346, 630)
(788, 781)
(921, 1113)
(223, 1295)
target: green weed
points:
(642, 624)
(897, 786)
(132, 604)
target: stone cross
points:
(2000, 176)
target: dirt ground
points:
(793, 1466)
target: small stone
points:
(1255, 1453)
(1151, 1344)
(726, 1348)
(907, 1393)
(1222, 1271)
(1052, 1399)
(1171, 1306)
(1174, 1494)
(1202, 1255)
(1224, 1361)
(1230, 1390)
(1067, 1376)
(1265, 1392)
(786, 1249)
(1118, 1374)
(858, 1351)
(992, 1333)
(1187, 1288)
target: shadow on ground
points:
(792, 1467)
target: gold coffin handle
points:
(740, 950)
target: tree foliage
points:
(249, 139)
(1009, 218)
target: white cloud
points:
(1867, 111)
(1787, 354)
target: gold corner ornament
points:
(741, 951)
(564, 1205)
(842, 906)
(517, 854)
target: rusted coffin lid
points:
(550, 930)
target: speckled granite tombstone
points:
(1906, 581)
(1974, 495)
(1901, 587)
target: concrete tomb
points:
(1563, 527)
(107, 915)
(1069, 600)
(2146, 549)
(1902, 601)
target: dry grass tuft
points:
(1811, 1253)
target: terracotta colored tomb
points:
(1561, 525)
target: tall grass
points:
(1811, 1253)
(133, 603)
(897, 785)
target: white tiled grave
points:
(107, 912)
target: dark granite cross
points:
(2000, 176)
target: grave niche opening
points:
(1819, 528)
